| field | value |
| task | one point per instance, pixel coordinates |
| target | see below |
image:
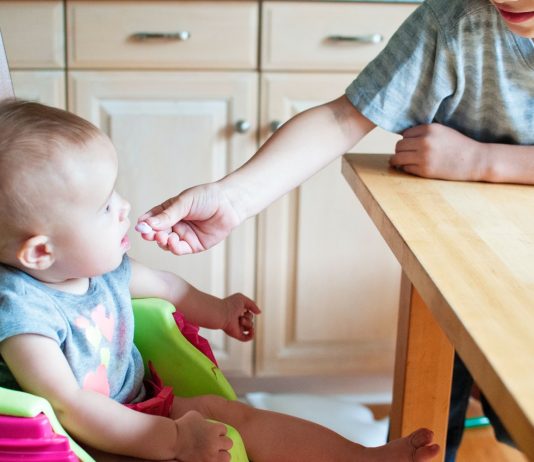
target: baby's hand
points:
(200, 440)
(240, 317)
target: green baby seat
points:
(179, 364)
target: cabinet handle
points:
(181, 36)
(369, 38)
(242, 126)
(275, 125)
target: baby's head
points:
(58, 208)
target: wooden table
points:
(467, 255)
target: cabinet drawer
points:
(209, 35)
(326, 36)
(33, 33)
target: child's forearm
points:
(104, 424)
(503, 163)
(297, 150)
(438, 151)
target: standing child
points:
(456, 80)
(66, 324)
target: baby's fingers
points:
(219, 431)
(226, 443)
(250, 306)
(247, 320)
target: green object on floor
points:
(477, 422)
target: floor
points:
(478, 444)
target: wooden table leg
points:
(423, 370)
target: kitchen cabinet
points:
(174, 127)
(34, 39)
(327, 282)
(187, 90)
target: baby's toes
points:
(421, 443)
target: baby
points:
(66, 323)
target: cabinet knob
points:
(275, 125)
(368, 38)
(242, 126)
(182, 36)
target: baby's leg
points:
(272, 436)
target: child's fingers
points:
(153, 211)
(246, 335)
(177, 246)
(226, 443)
(246, 322)
(251, 306)
(418, 130)
(245, 330)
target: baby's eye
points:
(108, 208)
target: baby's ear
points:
(36, 253)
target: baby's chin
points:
(112, 266)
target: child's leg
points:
(462, 382)
(271, 436)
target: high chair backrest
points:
(186, 369)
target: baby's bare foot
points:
(416, 447)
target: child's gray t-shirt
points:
(94, 330)
(454, 62)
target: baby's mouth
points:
(125, 241)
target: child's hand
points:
(240, 317)
(200, 440)
(436, 151)
(193, 221)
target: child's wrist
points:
(481, 166)
(489, 166)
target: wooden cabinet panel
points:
(327, 282)
(173, 130)
(208, 35)
(326, 36)
(47, 87)
(33, 33)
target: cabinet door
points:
(327, 282)
(173, 130)
(33, 33)
(47, 87)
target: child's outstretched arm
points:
(95, 420)
(233, 314)
(437, 151)
(202, 216)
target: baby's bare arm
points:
(100, 422)
(233, 314)
(436, 151)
